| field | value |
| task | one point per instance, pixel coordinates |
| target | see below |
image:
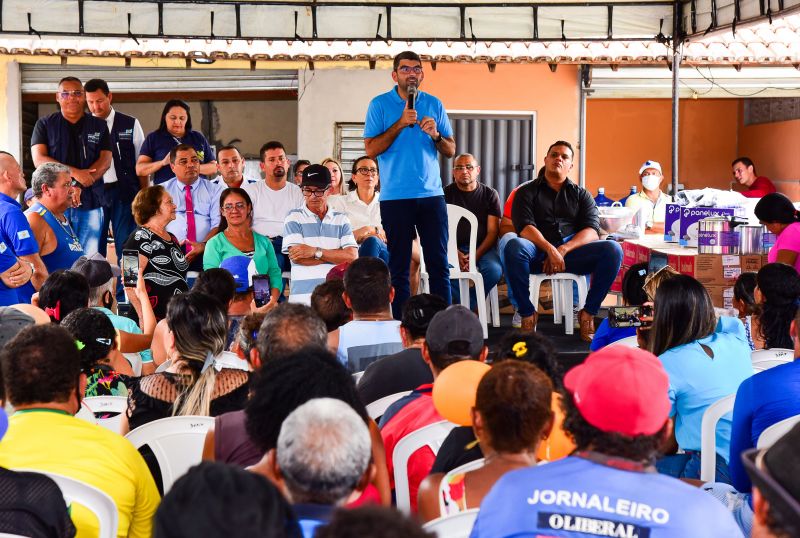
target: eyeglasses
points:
(314, 192)
(72, 93)
(405, 69)
(367, 171)
(239, 206)
(462, 167)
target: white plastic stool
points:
(562, 295)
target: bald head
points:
(12, 180)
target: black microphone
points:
(412, 98)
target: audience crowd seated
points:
(293, 451)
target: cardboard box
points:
(672, 222)
(617, 284)
(708, 269)
(751, 263)
(690, 219)
(721, 296)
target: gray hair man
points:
(322, 457)
(286, 329)
(59, 245)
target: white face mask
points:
(650, 182)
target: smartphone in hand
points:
(629, 316)
(261, 290)
(130, 268)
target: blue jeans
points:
(490, 269)
(118, 215)
(688, 466)
(501, 246)
(600, 259)
(283, 261)
(374, 247)
(429, 216)
(88, 226)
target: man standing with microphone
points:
(405, 129)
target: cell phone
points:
(629, 316)
(261, 289)
(130, 268)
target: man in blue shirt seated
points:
(617, 410)
(197, 201)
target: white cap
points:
(650, 164)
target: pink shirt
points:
(789, 239)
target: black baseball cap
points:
(455, 330)
(316, 175)
(96, 269)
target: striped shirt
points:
(302, 227)
(363, 342)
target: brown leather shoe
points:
(586, 322)
(529, 323)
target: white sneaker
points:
(516, 321)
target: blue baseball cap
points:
(242, 268)
(28, 194)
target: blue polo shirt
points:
(410, 166)
(159, 143)
(16, 239)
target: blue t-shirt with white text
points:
(579, 498)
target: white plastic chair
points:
(454, 215)
(177, 443)
(107, 404)
(357, 376)
(628, 341)
(163, 366)
(776, 431)
(708, 436)
(84, 413)
(136, 363)
(562, 295)
(94, 500)
(764, 359)
(376, 409)
(469, 466)
(432, 436)
(455, 526)
(493, 307)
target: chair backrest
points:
(431, 436)
(776, 431)
(163, 366)
(629, 341)
(94, 500)
(469, 466)
(455, 526)
(454, 215)
(766, 364)
(771, 354)
(136, 362)
(708, 436)
(357, 376)
(376, 409)
(176, 442)
(107, 404)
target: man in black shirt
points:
(558, 224)
(484, 202)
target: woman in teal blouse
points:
(236, 238)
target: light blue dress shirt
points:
(205, 199)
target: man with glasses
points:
(315, 238)
(80, 141)
(484, 202)
(274, 197)
(406, 140)
(197, 204)
(230, 165)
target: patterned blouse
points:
(165, 273)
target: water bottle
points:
(601, 200)
(633, 191)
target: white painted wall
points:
(11, 135)
(328, 96)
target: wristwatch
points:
(318, 254)
(438, 139)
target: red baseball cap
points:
(621, 389)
